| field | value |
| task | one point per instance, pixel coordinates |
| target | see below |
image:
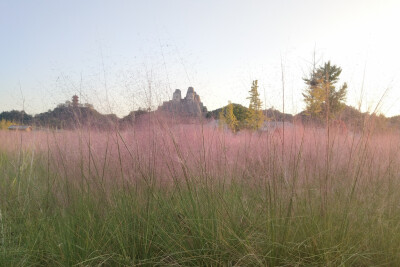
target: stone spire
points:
(188, 106)
(176, 97)
(190, 94)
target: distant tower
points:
(177, 95)
(190, 94)
(75, 101)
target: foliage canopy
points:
(321, 95)
(227, 116)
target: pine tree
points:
(321, 96)
(255, 117)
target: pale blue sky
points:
(114, 53)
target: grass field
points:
(193, 195)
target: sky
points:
(122, 55)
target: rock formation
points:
(189, 106)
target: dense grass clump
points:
(198, 196)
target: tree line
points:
(323, 99)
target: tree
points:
(255, 117)
(322, 98)
(19, 117)
(4, 124)
(227, 116)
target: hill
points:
(240, 113)
(72, 115)
(16, 116)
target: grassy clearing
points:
(192, 195)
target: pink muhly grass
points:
(158, 151)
